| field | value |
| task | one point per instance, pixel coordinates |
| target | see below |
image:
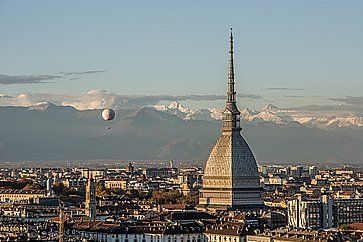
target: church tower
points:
(90, 203)
(231, 180)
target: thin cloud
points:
(196, 97)
(173, 14)
(284, 89)
(97, 99)
(349, 100)
(299, 96)
(74, 78)
(81, 72)
(358, 109)
(251, 96)
(47, 78)
(157, 98)
(27, 79)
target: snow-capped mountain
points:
(269, 114)
(42, 106)
(176, 109)
(190, 114)
(335, 122)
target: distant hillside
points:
(49, 132)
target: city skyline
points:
(181, 121)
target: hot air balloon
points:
(108, 114)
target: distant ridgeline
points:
(60, 133)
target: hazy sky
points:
(289, 52)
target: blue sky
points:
(289, 52)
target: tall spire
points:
(231, 94)
(231, 119)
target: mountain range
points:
(271, 114)
(48, 132)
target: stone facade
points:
(231, 176)
(90, 203)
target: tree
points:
(101, 190)
(166, 197)
(58, 188)
(118, 191)
(191, 199)
(133, 193)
